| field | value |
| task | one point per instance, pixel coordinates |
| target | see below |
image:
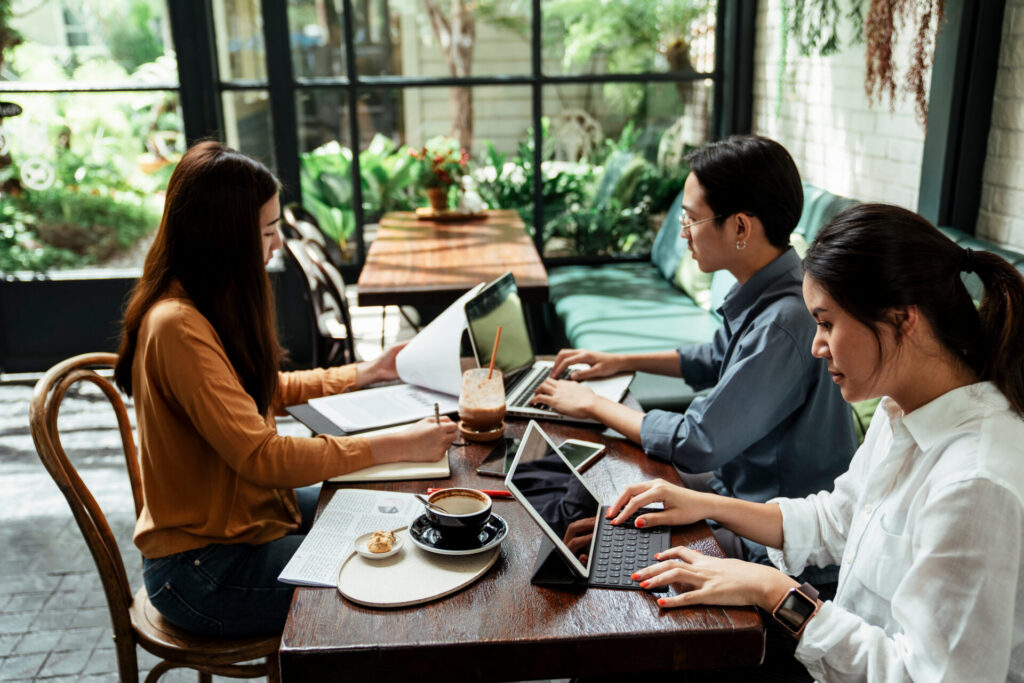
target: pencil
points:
(437, 414)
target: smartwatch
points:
(796, 608)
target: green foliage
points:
(390, 182)
(589, 208)
(20, 248)
(9, 37)
(130, 36)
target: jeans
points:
(228, 590)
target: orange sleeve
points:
(301, 385)
(195, 370)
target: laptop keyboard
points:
(523, 399)
(623, 549)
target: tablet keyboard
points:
(623, 549)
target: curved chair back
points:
(332, 324)
(134, 620)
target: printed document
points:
(349, 514)
(431, 367)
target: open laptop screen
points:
(498, 304)
(555, 495)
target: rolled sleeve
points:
(767, 376)
(301, 385)
(953, 606)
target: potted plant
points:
(443, 165)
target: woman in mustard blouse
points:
(199, 353)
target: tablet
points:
(555, 495)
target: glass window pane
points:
(401, 38)
(248, 125)
(325, 164)
(628, 37)
(317, 38)
(91, 41)
(238, 26)
(614, 161)
(82, 178)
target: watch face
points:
(794, 610)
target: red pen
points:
(492, 494)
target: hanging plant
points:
(812, 26)
(884, 20)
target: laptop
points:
(499, 304)
(572, 518)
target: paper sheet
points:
(396, 471)
(395, 404)
(431, 359)
(349, 514)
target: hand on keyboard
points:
(594, 364)
(569, 398)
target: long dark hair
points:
(874, 258)
(751, 174)
(210, 241)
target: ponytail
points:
(1002, 325)
(873, 258)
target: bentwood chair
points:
(333, 339)
(135, 620)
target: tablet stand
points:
(550, 569)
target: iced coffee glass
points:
(482, 405)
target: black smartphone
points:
(500, 458)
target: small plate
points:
(360, 546)
(425, 535)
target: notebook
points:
(572, 518)
(499, 304)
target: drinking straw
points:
(494, 352)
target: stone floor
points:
(54, 623)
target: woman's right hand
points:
(424, 441)
(601, 364)
(682, 506)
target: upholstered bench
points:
(661, 304)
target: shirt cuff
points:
(784, 558)
(830, 628)
(658, 432)
(339, 379)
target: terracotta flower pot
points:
(438, 198)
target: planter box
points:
(47, 318)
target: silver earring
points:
(741, 245)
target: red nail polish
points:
(640, 523)
(657, 556)
(634, 576)
(661, 602)
(645, 584)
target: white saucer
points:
(362, 549)
(425, 535)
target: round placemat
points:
(410, 577)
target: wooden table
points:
(419, 262)
(504, 628)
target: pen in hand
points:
(437, 414)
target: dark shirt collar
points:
(784, 271)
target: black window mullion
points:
(192, 33)
(352, 90)
(281, 90)
(537, 89)
(734, 67)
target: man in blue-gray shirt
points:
(774, 424)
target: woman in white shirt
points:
(927, 525)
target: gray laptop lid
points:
(499, 304)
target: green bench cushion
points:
(626, 308)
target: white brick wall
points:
(839, 142)
(1001, 215)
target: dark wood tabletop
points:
(504, 628)
(421, 262)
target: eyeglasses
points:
(686, 224)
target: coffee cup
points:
(462, 514)
(482, 404)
